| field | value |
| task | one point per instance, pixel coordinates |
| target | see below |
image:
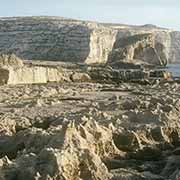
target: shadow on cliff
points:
(129, 50)
(117, 56)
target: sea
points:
(174, 69)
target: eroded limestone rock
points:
(10, 60)
(80, 77)
(60, 39)
(89, 131)
(76, 155)
(32, 75)
(138, 47)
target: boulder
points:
(80, 77)
(10, 60)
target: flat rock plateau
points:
(79, 116)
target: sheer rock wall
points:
(42, 38)
(60, 39)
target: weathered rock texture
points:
(33, 75)
(138, 47)
(168, 38)
(56, 39)
(14, 71)
(53, 38)
(175, 47)
(9, 60)
(84, 131)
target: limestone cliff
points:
(56, 39)
(170, 39)
(60, 39)
(175, 47)
(138, 47)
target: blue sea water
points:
(174, 69)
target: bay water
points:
(174, 69)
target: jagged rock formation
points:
(62, 150)
(53, 38)
(89, 131)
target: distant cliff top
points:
(71, 20)
(70, 40)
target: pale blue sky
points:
(165, 13)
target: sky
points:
(164, 13)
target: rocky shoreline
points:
(90, 131)
(102, 113)
(76, 122)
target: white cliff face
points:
(56, 39)
(136, 47)
(164, 37)
(60, 39)
(175, 47)
(169, 38)
(101, 44)
(44, 38)
(31, 75)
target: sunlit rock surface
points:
(71, 121)
(60, 39)
(89, 131)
